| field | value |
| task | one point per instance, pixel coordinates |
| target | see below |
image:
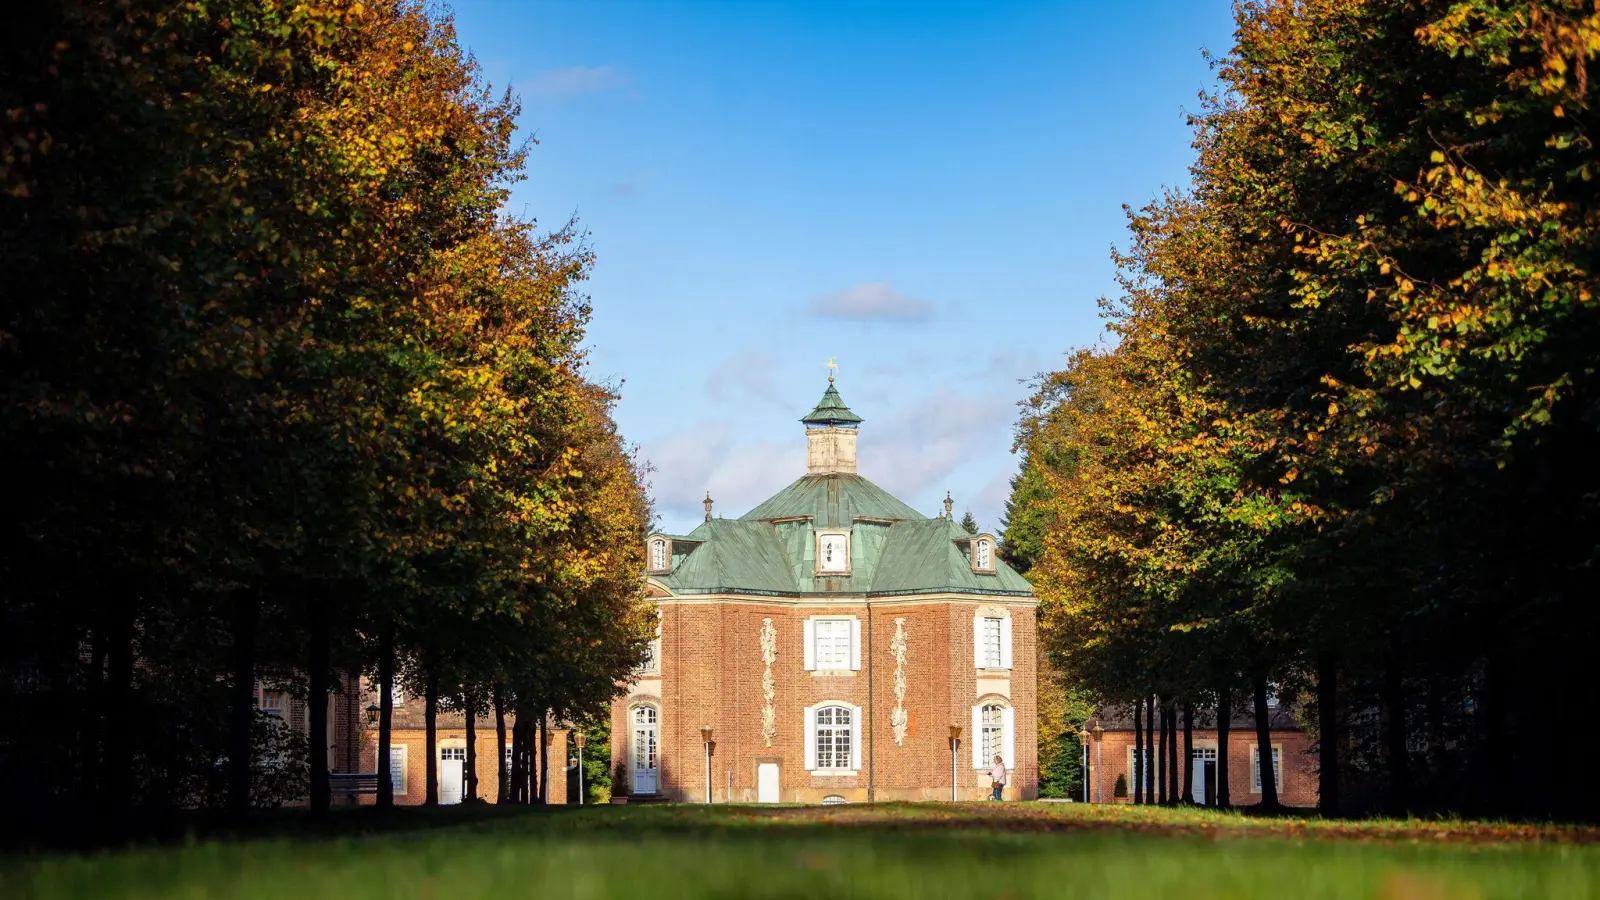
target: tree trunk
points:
(1177, 764)
(1138, 753)
(503, 795)
(242, 702)
(544, 757)
(1188, 751)
(519, 761)
(1328, 736)
(1161, 751)
(318, 662)
(469, 703)
(1150, 744)
(1394, 733)
(1224, 725)
(1269, 781)
(1497, 735)
(116, 787)
(385, 765)
(431, 729)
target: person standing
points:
(997, 775)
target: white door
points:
(767, 783)
(1202, 756)
(644, 750)
(452, 770)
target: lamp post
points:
(705, 735)
(955, 742)
(1083, 743)
(580, 739)
(372, 714)
(1099, 788)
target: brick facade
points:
(1112, 755)
(409, 735)
(710, 673)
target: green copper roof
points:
(831, 410)
(832, 501)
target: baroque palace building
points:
(826, 646)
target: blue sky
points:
(927, 193)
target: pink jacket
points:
(998, 773)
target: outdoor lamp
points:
(372, 713)
(580, 739)
(705, 735)
(955, 739)
(955, 735)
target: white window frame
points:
(813, 662)
(844, 568)
(665, 545)
(979, 565)
(1255, 767)
(1141, 772)
(981, 760)
(398, 764)
(980, 658)
(281, 711)
(855, 726)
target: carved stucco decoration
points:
(898, 718)
(769, 686)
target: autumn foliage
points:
(284, 392)
(1344, 446)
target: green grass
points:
(890, 851)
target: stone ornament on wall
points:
(769, 686)
(898, 718)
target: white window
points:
(508, 749)
(658, 555)
(1255, 768)
(833, 553)
(833, 738)
(1139, 768)
(832, 644)
(994, 733)
(652, 659)
(273, 702)
(397, 768)
(397, 695)
(991, 641)
(984, 555)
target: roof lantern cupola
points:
(831, 431)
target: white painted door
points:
(644, 750)
(1201, 756)
(767, 783)
(452, 772)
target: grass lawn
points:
(1014, 850)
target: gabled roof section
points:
(924, 557)
(832, 501)
(831, 410)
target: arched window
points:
(658, 555)
(833, 553)
(985, 559)
(993, 723)
(833, 800)
(833, 737)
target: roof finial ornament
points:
(708, 506)
(949, 505)
(833, 369)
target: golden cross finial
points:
(832, 368)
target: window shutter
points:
(855, 645)
(1008, 737)
(976, 740)
(1005, 644)
(977, 642)
(856, 725)
(811, 655)
(811, 739)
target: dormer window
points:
(833, 553)
(660, 555)
(983, 554)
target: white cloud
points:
(707, 457)
(871, 301)
(580, 80)
(920, 444)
